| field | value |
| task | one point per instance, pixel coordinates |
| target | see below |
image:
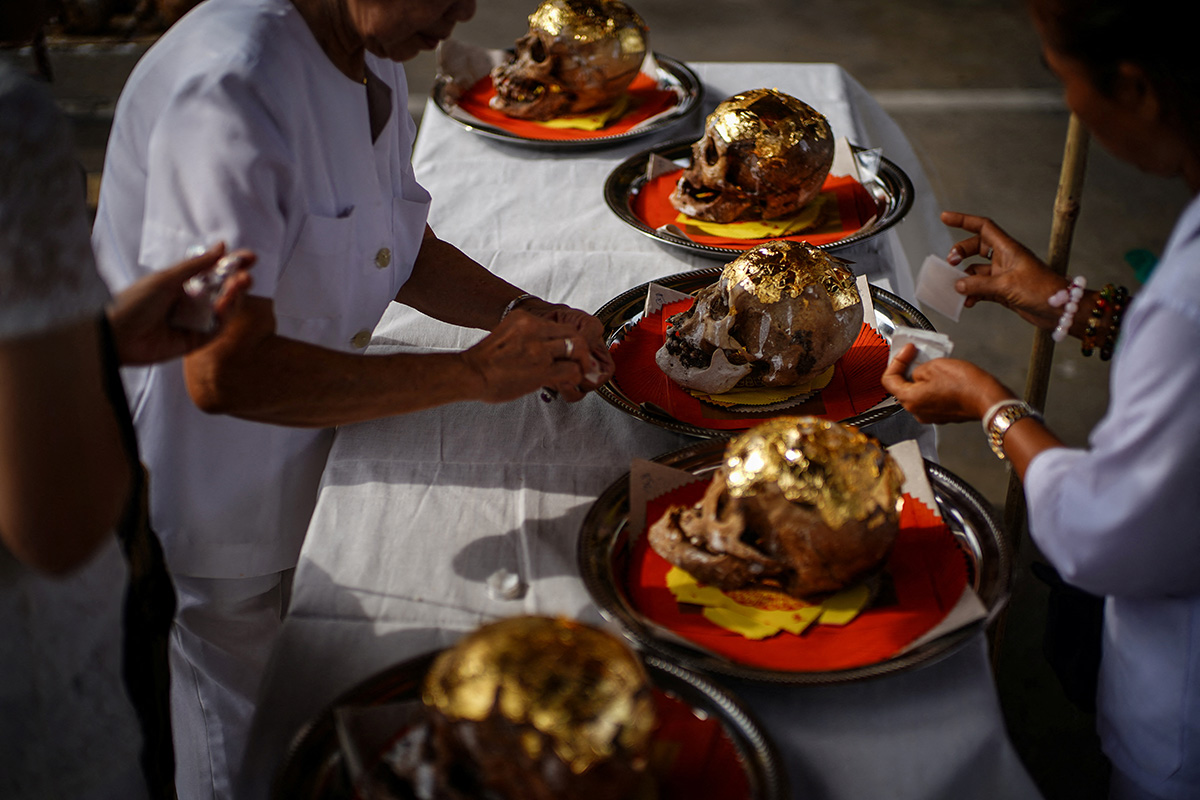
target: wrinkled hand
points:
(139, 316)
(591, 330)
(1014, 278)
(942, 390)
(528, 351)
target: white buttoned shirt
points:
(1122, 519)
(235, 126)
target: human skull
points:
(780, 314)
(764, 155)
(799, 504)
(578, 56)
(540, 708)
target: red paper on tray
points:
(928, 571)
(648, 100)
(693, 756)
(652, 205)
(855, 387)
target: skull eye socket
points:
(711, 155)
(537, 51)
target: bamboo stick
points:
(1037, 379)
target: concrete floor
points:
(964, 80)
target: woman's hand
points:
(140, 315)
(591, 329)
(942, 390)
(1014, 278)
(527, 351)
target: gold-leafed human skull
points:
(578, 56)
(780, 314)
(544, 708)
(764, 155)
(800, 504)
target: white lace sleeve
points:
(47, 273)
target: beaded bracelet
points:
(1112, 298)
(1089, 333)
(1069, 300)
(1120, 297)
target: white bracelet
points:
(1069, 299)
(516, 301)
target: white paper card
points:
(658, 296)
(935, 287)
(868, 304)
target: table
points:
(415, 512)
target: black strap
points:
(149, 598)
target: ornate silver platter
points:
(892, 190)
(604, 543)
(313, 768)
(672, 75)
(623, 312)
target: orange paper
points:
(652, 205)
(928, 572)
(647, 101)
(855, 386)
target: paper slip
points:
(658, 296)
(868, 304)
(935, 287)
(930, 345)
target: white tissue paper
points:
(930, 345)
(935, 287)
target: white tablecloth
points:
(416, 512)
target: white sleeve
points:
(1120, 518)
(219, 168)
(48, 276)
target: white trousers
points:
(223, 634)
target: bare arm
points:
(448, 285)
(252, 373)
(64, 472)
(64, 475)
(950, 390)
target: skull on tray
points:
(578, 56)
(764, 155)
(801, 505)
(781, 314)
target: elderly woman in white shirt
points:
(281, 126)
(1120, 517)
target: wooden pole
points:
(1037, 380)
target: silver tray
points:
(603, 535)
(624, 311)
(892, 190)
(313, 768)
(671, 73)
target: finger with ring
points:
(989, 253)
(570, 345)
